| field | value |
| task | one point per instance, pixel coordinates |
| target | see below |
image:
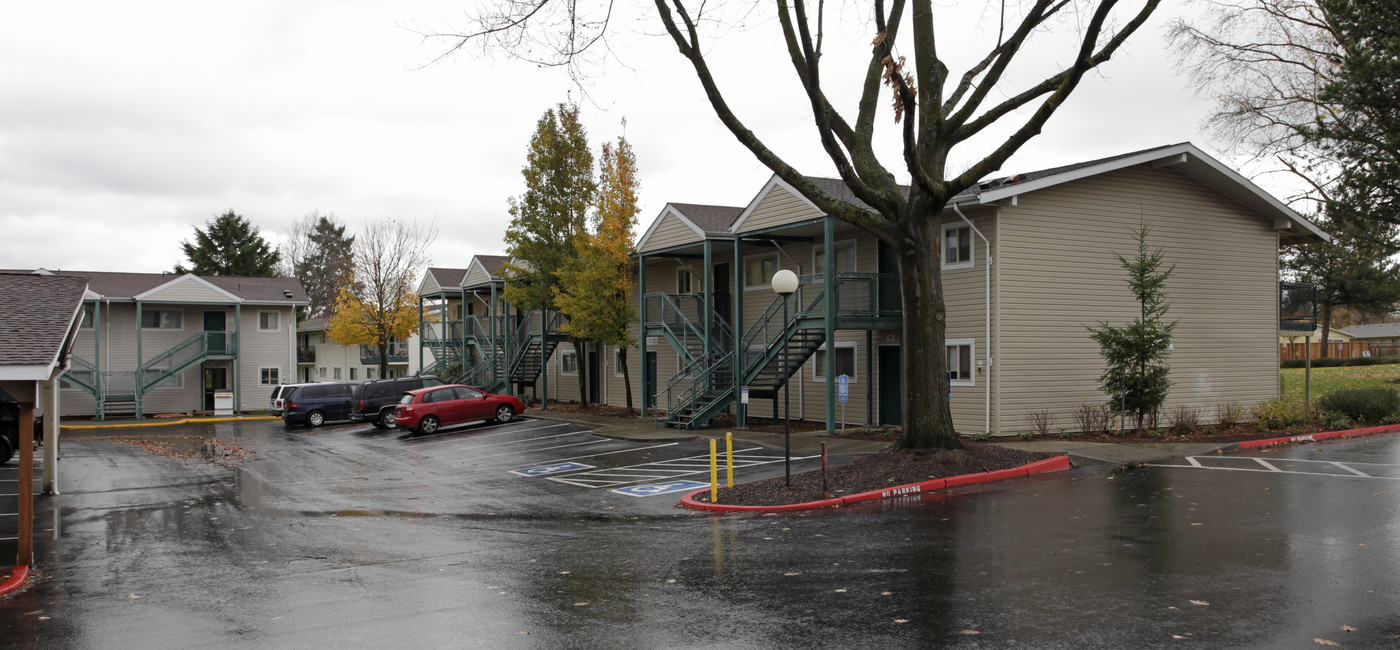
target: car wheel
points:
(504, 413)
(377, 424)
(315, 418)
(386, 419)
(428, 424)
(6, 451)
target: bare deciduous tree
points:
(935, 111)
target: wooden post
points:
(25, 556)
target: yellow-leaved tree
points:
(380, 305)
(595, 289)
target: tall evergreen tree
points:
(1135, 373)
(229, 245)
(321, 256)
(595, 291)
(550, 218)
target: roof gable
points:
(773, 186)
(39, 316)
(669, 229)
(188, 288)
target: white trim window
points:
(685, 281)
(162, 319)
(371, 373)
(618, 361)
(321, 372)
(568, 362)
(962, 365)
(269, 321)
(759, 270)
(845, 258)
(352, 374)
(958, 249)
(336, 373)
(845, 361)
(269, 375)
(87, 318)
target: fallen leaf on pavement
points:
(971, 632)
(1202, 603)
(1325, 642)
(1348, 628)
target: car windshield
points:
(406, 399)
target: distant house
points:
(320, 359)
(159, 343)
(1384, 338)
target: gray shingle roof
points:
(492, 263)
(1375, 331)
(312, 325)
(709, 218)
(447, 277)
(36, 312)
(128, 285)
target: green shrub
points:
(1332, 363)
(1336, 421)
(1275, 414)
(1362, 404)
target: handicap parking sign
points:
(843, 388)
(545, 470)
(661, 488)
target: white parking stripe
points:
(1266, 463)
(1353, 470)
(660, 470)
(520, 451)
(606, 453)
(516, 442)
(428, 443)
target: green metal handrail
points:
(185, 354)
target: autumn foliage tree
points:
(550, 219)
(595, 290)
(379, 305)
(933, 109)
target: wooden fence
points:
(1335, 350)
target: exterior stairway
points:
(119, 392)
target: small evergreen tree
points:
(229, 245)
(1135, 375)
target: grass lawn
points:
(1326, 380)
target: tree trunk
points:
(383, 359)
(1326, 323)
(928, 422)
(581, 365)
(626, 378)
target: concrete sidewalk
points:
(809, 442)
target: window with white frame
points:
(162, 319)
(371, 373)
(267, 321)
(685, 281)
(336, 372)
(269, 376)
(957, 246)
(845, 362)
(87, 317)
(759, 270)
(568, 362)
(323, 340)
(962, 370)
(352, 373)
(845, 258)
(321, 372)
(619, 361)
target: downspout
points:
(987, 306)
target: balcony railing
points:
(306, 355)
(398, 353)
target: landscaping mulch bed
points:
(888, 468)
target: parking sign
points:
(843, 386)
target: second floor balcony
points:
(398, 353)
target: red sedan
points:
(428, 409)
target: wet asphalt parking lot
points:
(252, 535)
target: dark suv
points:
(375, 400)
(316, 404)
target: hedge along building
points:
(1028, 265)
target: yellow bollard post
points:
(714, 474)
(729, 457)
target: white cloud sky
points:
(125, 125)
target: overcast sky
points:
(125, 125)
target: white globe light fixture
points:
(784, 282)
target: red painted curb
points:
(1314, 437)
(1038, 467)
(16, 580)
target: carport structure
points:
(39, 320)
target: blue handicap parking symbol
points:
(556, 468)
(661, 488)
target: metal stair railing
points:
(665, 311)
(185, 354)
(769, 334)
(692, 399)
(81, 374)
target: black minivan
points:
(316, 404)
(375, 400)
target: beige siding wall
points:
(670, 232)
(777, 208)
(1058, 275)
(188, 290)
(476, 275)
(260, 349)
